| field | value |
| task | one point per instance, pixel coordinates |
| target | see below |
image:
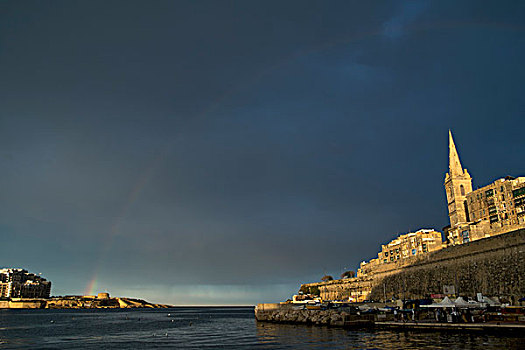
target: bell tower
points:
(457, 184)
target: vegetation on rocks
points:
(348, 274)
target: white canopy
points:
(489, 301)
(459, 303)
(462, 303)
(446, 302)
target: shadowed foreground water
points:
(198, 328)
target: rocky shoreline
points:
(315, 317)
(78, 302)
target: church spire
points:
(454, 165)
(458, 184)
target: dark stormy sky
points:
(223, 152)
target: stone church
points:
(485, 212)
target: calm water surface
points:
(212, 328)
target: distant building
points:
(19, 283)
(403, 249)
(488, 211)
(103, 296)
(409, 245)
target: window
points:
(465, 236)
(518, 192)
(489, 193)
(462, 190)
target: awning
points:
(462, 303)
(446, 302)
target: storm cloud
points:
(224, 152)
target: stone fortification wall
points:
(357, 288)
(492, 266)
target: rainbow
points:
(148, 173)
(91, 288)
(115, 227)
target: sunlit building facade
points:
(19, 283)
(403, 250)
(485, 212)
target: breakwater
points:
(316, 317)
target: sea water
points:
(211, 328)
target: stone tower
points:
(457, 184)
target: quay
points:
(385, 317)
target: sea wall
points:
(22, 304)
(357, 288)
(493, 266)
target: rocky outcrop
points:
(78, 302)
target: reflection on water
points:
(209, 328)
(315, 337)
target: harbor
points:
(446, 315)
(471, 281)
